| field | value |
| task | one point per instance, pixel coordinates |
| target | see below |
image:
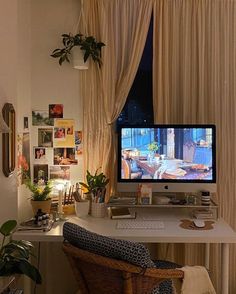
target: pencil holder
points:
(98, 209)
(82, 208)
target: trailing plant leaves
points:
(87, 44)
(8, 227)
(86, 56)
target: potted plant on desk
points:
(40, 195)
(95, 188)
(14, 255)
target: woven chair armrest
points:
(119, 264)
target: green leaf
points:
(29, 270)
(56, 54)
(56, 50)
(86, 55)
(8, 227)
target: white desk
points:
(222, 234)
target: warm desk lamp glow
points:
(60, 188)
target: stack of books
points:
(203, 213)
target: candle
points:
(60, 201)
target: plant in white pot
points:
(95, 188)
(15, 254)
(88, 44)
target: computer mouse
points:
(199, 223)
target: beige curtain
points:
(195, 82)
(122, 25)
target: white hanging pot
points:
(78, 59)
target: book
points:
(122, 201)
(121, 212)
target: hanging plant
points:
(88, 45)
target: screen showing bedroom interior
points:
(167, 153)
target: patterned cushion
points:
(131, 252)
(165, 287)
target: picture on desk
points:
(166, 153)
(64, 156)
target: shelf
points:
(212, 205)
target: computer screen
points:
(172, 157)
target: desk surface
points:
(172, 232)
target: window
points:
(139, 108)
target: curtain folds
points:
(194, 78)
(122, 25)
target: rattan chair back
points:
(97, 274)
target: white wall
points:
(23, 91)
(31, 79)
(8, 93)
(51, 83)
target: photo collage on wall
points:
(59, 145)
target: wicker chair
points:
(97, 274)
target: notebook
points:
(121, 212)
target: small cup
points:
(82, 208)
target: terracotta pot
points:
(45, 205)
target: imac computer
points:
(172, 158)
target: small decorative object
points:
(14, 255)
(89, 46)
(206, 198)
(145, 194)
(40, 198)
(96, 188)
(152, 147)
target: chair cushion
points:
(131, 252)
(165, 287)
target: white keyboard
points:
(140, 224)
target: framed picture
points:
(64, 156)
(45, 137)
(56, 110)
